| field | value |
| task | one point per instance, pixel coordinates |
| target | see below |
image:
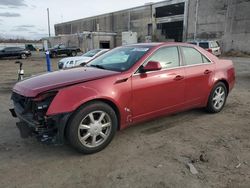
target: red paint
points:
(152, 66)
(137, 96)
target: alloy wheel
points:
(219, 97)
(94, 129)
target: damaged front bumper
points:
(49, 131)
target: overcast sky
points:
(28, 18)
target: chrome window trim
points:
(180, 61)
(179, 56)
(183, 66)
(199, 52)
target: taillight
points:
(209, 50)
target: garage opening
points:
(172, 30)
(104, 44)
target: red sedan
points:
(125, 86)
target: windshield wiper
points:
(97, 66)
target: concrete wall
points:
(116, 22)
(85, 41)
(227, 21)
(237, 30)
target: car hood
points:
(77, 58)
(33, 86)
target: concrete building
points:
(227, 21)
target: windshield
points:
(119, 59)
(91, 53)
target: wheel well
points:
(110, 103)
(115, 108)
(226, 84)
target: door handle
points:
(178, 77)
(207, 71)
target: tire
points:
(23, 56)
(53, 55)
(73, 53)
(95, 121)
(217, 98)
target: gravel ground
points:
(152, 154)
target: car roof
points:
(158, 44)
(13, 47)
(202, 41)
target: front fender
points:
(69, 99)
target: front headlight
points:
(43, 96)
(43, 101)
(41, 104)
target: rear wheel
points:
(217, 98)
(54, 55)
(92, 127)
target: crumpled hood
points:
(33, 86)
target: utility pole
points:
(48, 21)
(129, 17)
(196, 19)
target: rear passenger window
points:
(205, 60)
(168, 57)
(193, 57)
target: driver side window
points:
(168, 57)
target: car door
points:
(199, 71)
(61, 50)
(159, 92)
(8, 52)
(2, 52)
(16, 52)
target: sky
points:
(28, 18)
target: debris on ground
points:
(203, 158)
(238, 166)
(119, 177)
(192, 168)
(158, 166)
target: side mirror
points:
(151, 66)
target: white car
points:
(80, 60)
(211, 46)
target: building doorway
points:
(172, 30)
(170, 20)
(104, 44)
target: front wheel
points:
(92, 127)
(217, 98)
(73, 53)
(23, 56)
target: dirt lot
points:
(153, 154)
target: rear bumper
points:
(49, 132)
